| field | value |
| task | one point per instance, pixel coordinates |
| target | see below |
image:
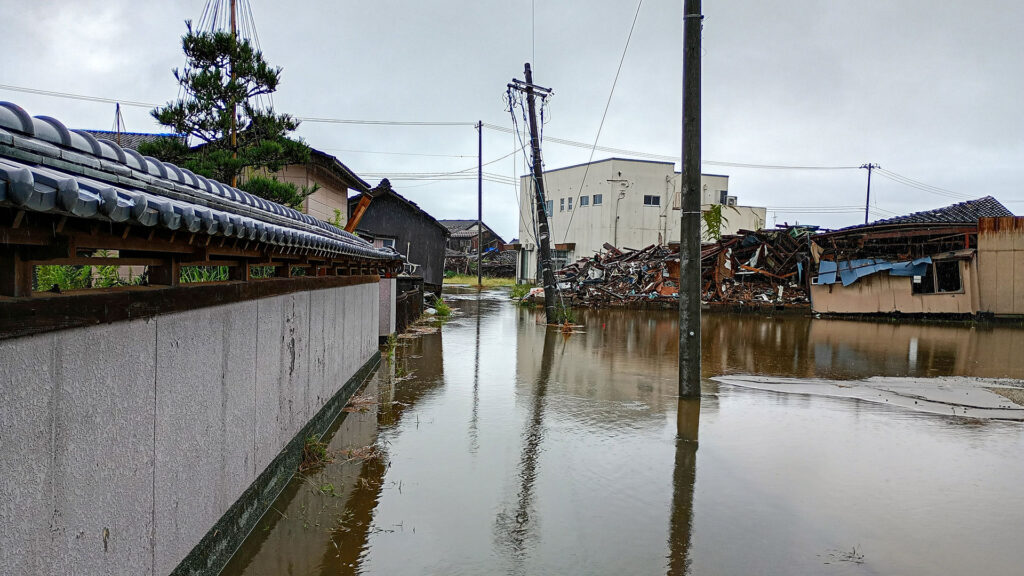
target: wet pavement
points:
(500, 447)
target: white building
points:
(625, 203)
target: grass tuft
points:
(487, 281)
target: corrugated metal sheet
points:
(849, 271)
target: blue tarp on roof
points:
(849, 271)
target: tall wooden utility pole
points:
(234, 126)
(689, 241)
(479, 200)
(544, 236)
(867, 201)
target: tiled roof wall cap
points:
(147, 191)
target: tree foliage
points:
(713, 220)
(204, 113)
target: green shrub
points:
(191, 274)
(442, 307)
(520, 290)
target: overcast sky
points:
(931, 91)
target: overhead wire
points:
(604, 115)
(907, 181)
(495, 127)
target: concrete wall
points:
(625, 221)
(388, 292)
(1001, 266)
(882, 293)
(123, 444)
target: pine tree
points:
(221, 71)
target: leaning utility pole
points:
(867, 201)
(547, 274)
(689, 236)
(479, 200)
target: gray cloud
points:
(927, 90)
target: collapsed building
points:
(766, 267)
(963, 259)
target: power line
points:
(907, 181)
(354, 151)
(506, 130)
(604, 115)
(380, 122)
(76, 96)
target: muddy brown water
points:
(500, 447)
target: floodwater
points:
(498, 446)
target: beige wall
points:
(626, 221)
(882, 293)
(322, 203)
(1001, 269)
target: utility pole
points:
(689, 241)
(867, 202)
(479, 200)
(118, 123)
(544, 236)
(234, 48)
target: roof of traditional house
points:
(338, 169)
(467, 228)
(132, 139)
(457, 225)
(967, 212)
(45, 167)
(384, 189)
(959, 213)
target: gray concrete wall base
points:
(224, 538)
(128, 447)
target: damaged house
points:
(929, 262)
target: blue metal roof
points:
(45, 167)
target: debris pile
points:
(766, 267)
(762, 267)
(494, 263)
(620, 277)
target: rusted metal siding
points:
(1001, 265)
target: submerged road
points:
(496, 446)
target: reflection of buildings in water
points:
(617, 357)
(755, 344)
(515, 529)
(308, 531)
(849, 348)
(631, 354)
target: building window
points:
(941, 277)
(559, 259)
(387, 242)
(549, 207)
(570, 202)
(723, 197)
(561, 204)
(652, 200)
(598, 198)
(584, 200)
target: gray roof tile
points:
(45, 167)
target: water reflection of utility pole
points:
(473, 443)
(684, 476)
(514, 530)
